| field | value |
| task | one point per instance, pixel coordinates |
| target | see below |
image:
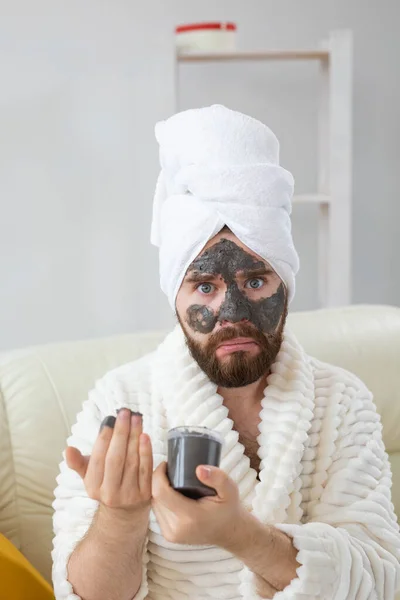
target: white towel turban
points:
(220, 167)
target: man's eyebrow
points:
(256, 271)
(197, 277)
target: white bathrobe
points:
(325, 478)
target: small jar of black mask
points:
(189, 447)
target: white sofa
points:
(42, 389)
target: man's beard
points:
(237, 369)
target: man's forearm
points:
(107, 563)
(266, 551)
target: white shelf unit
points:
(333, 195)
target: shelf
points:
(312, 199)
(265, 55)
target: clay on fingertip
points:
(108, 422)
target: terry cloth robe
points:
(324, 480)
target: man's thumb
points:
(76, 461)
(217, 479)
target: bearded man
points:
(302, 506)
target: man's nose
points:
(235, 307)
(226, 323)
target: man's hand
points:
(119, 471)
(223, 521)
(118, 475)
(212, 520)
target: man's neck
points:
(244, 405)
(244, 399)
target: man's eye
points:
(206, 288)
(254, 284)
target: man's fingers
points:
(217, 479)
(95, 471)
(146, 464)
(76, 461)
(165, 494)
(160, 482)
(116, 454)
(131, 471)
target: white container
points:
(205, 37)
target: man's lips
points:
(239, 344)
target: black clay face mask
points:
(225, 259)
(262, 320)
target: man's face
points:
(232, 308)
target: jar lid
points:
(194, 431)
(223, 26)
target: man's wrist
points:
(245, 527)
(265, 550)
(120, 523)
